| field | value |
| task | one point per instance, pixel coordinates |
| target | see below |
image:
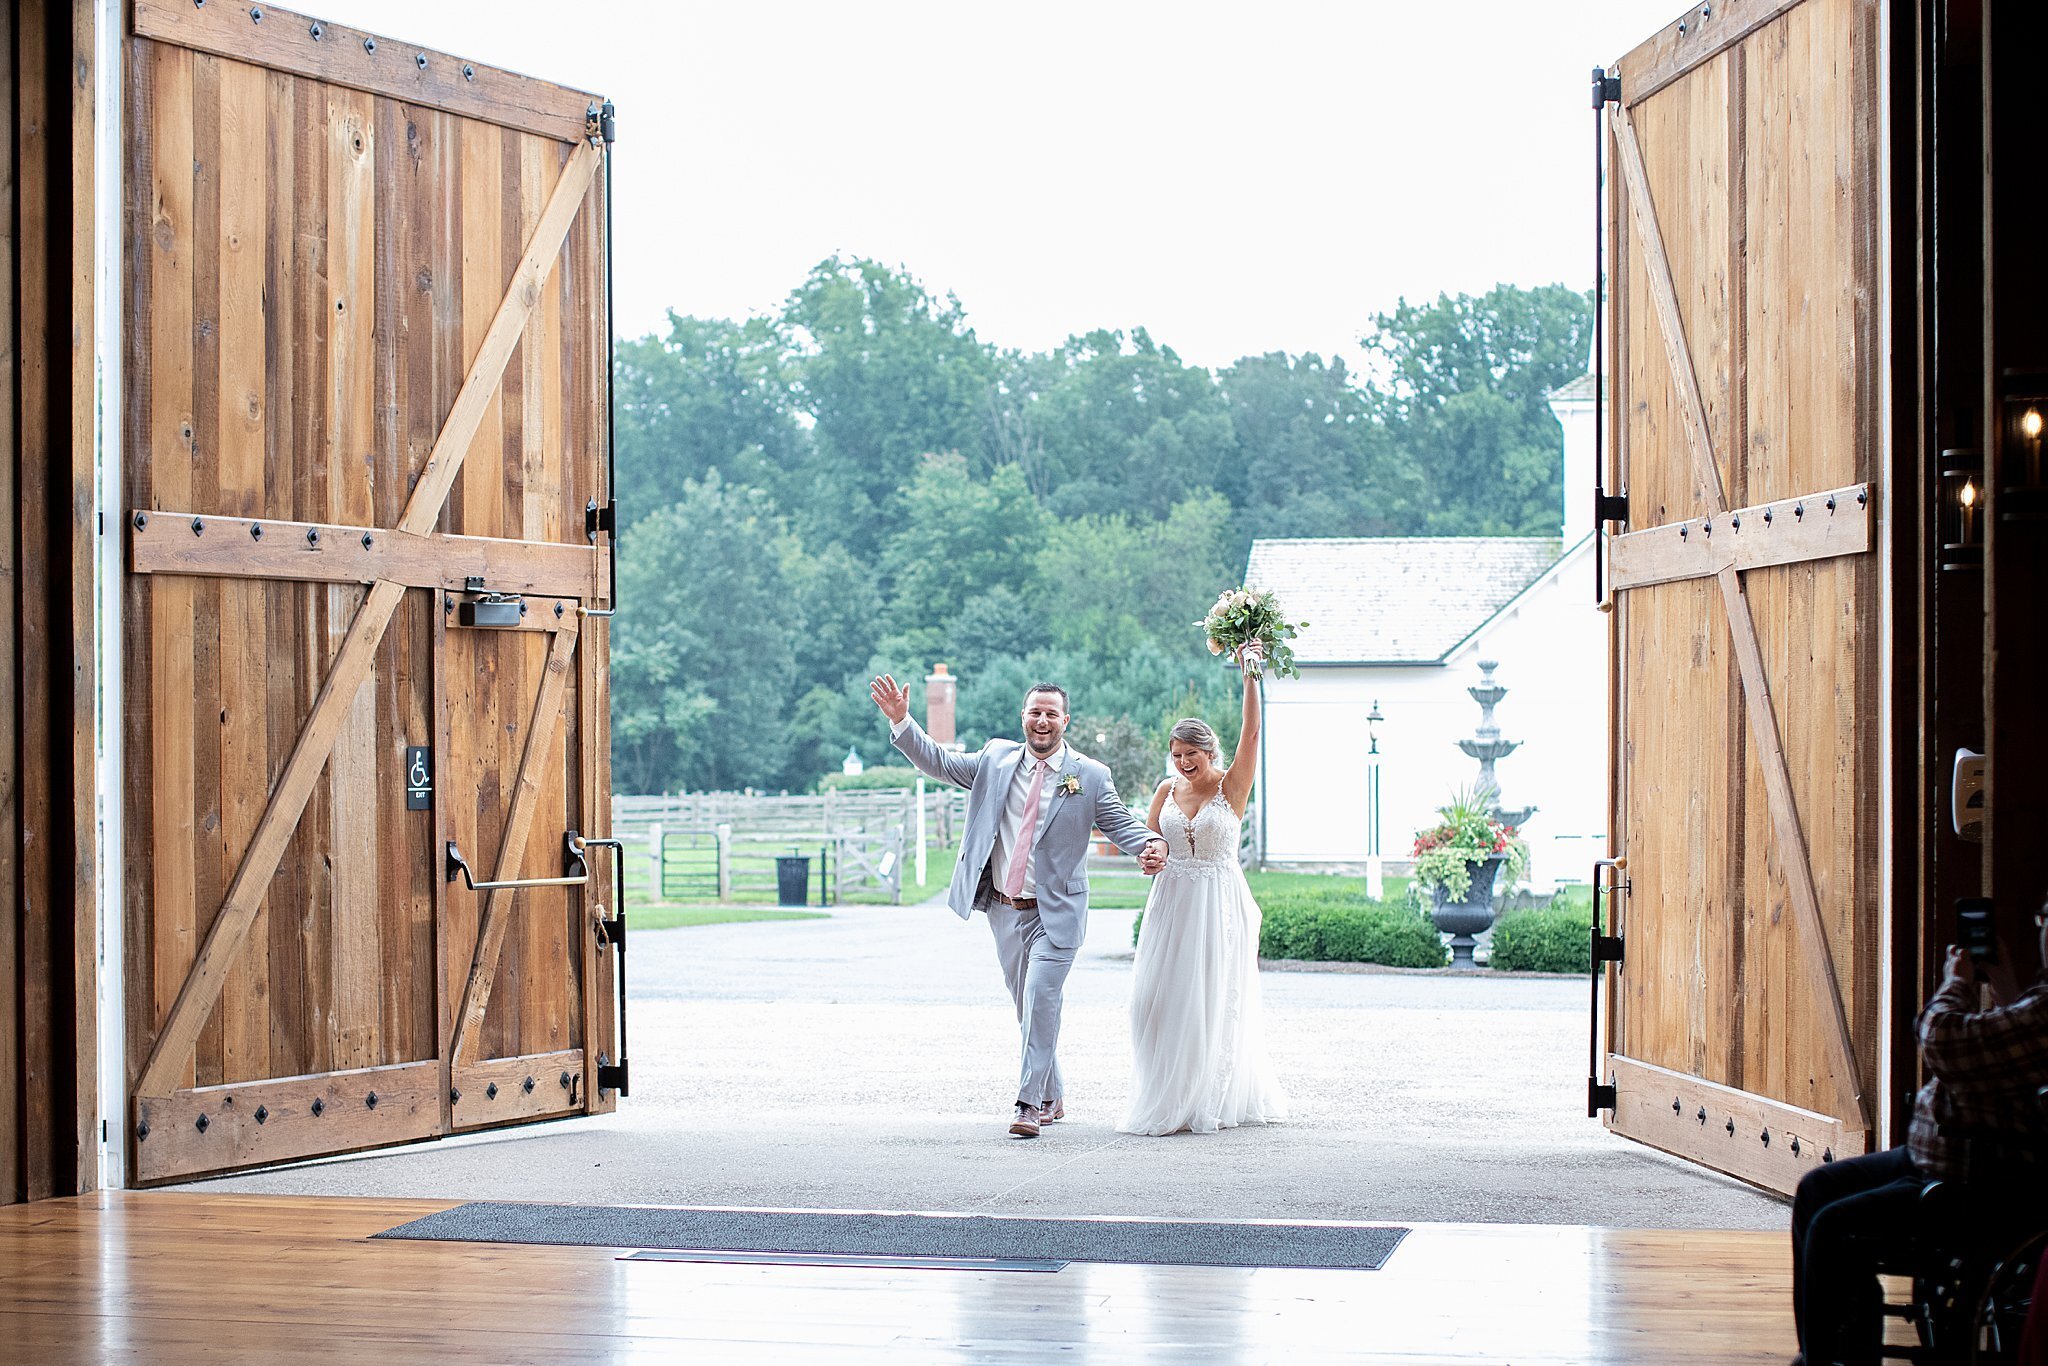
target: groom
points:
(1023, 862)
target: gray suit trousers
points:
(1036, 971)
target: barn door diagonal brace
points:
(1763, 722)
(199, 993)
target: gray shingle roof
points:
(1394, 599)
(1582, 388)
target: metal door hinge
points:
(1607, 948)
(612, 1076)
(598, 518)
(1606, 88)
(1609, 507)
(1599, 1096)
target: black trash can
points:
(792, 879)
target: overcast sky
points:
(1238, 178)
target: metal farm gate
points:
(1743, 209)
(366, 360)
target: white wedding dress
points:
(1197, 1041)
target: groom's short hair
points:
(1052, 688)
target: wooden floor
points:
(171, 1277)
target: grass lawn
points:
(750, 900)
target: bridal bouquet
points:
(1242, 617)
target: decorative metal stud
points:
(1707, 527)
(1681, 28)
(318, 30)
(468, 72)
(1831, 502)
(1799, 510)
(527, 1086)
(1862, 497)
(522, 609)
(1703, 1116)
(1795, 1145)
(455, 1095)
(1706, 11)
(419, 59)
(319, 1107)
(255, 14)
(367, 539)
(1736, 521)
(312, 535)
(1683, 531)
(198, 527)
(369, 44)
(1827, 1154)
(1731, 1126)
(1767, 516)
(141, 520)
(262, 1113)
(142, 1126)
(1767, 1138)
(201, 1123)
(565, 1081)
(371, 1100)
(491, 1091)
(558, 611)
(255, 531)
(1676, 1108)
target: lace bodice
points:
(1209, 838)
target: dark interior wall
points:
(2014, 337)
(48, 1104)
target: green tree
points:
(710, 394)
(704, 633)
(1463, 390)
(961, 536)
(1119, 583)
(888, 373)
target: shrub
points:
(871, 778)
(1316, 927)
(1548, 939)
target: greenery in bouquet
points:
(1446, 852)
(1242, 617)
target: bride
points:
(1199, 1054)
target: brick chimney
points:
(938, 706)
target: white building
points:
(1403, 622)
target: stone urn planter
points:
(1463, 919)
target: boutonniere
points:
(1070, 784)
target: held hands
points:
(892, 697)
(1152, 857)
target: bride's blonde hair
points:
(1192, 730)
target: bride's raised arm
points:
(1244, 765)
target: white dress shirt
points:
(1012, 821)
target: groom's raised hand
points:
(892, 697)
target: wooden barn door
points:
(1742, 200)
(365, 357)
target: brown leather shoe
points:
(1025, 1125)
(1051, 1111)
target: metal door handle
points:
(578, 873)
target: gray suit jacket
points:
(1059, 854)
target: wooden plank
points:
(201, 989)
(541, 730)
(521, 297)
(1724, 1127)
(508, 1090)
(14, 1137)
(407, 1107)
(1690, 41)
(163, 542)
(1791, 843)
(367, 62)
(1816, 526)
(244, 420)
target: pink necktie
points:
(1013, 882)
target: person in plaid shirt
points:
(1985, 1068)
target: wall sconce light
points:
(1962, 509)
(2023, 435)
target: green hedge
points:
(1546, 939)
(1321, 927)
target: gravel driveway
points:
(868, 1062)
